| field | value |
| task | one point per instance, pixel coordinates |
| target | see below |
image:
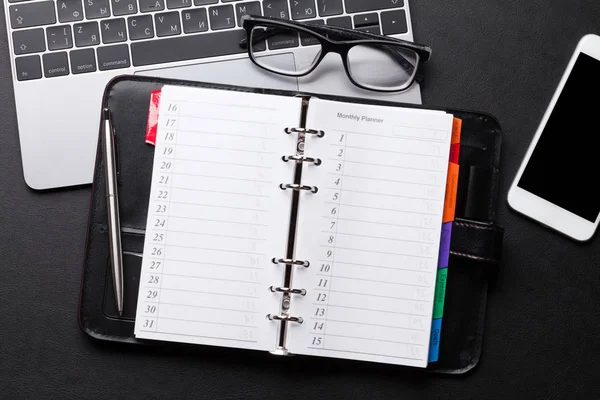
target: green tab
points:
(440, 293)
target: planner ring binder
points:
(288, 261)
(316, 161)
(274, 289)
(317, 132)
(284, 317)
(296, 186)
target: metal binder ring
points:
(274, 289)
(289, 261)
(295, 186)
(283, 317)
(319, 133)
(316, 161)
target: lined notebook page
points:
(371, 233)
(216, 218)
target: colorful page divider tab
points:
(444, 253)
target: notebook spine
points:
(290, 263)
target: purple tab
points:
(445, 245)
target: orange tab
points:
(456, 130)
(451, 189)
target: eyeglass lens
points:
(374, 66)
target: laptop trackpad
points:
(241, 72)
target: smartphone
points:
(558, 182)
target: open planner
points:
(294, 225)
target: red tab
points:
(454, 153)
(455, 142)
(152, 125)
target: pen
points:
(112, 205)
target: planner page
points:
(216, 218)
(371, 232)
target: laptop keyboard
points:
(54, 38)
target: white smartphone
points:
(558, 183)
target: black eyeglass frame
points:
(341, 47)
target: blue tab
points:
(434, 344)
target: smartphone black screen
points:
(564, 167)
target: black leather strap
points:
(476, 241)
(479, 205)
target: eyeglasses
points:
(372, 62)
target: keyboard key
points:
(187, 47)
(29, 41)
(221, 17)
(309, 40)
(32, 14)
(342, 22)
(59, 37)
(366, 20)
(194, 20)
(251, 8)
(329, 7)
(113, 57)
(171, 4)
(28, 68)
(56, 64)
(86, 34)
(69, 10)
(96, 9)
(370, 29)
(283, 41)
(276, 9)
(205, 2)
(167, 24)
(124, 7)
(354, 6)
(394, 22)
(152, 5)
(303, 9)
(113, 30)
(140, 27)
(83, 61)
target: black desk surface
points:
(502, 57)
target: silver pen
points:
(112, 205)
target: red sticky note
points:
(152, 125)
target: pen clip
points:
(107, 115)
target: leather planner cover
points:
(475, 249)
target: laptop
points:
(64, 52)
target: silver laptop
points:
(64, 52)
